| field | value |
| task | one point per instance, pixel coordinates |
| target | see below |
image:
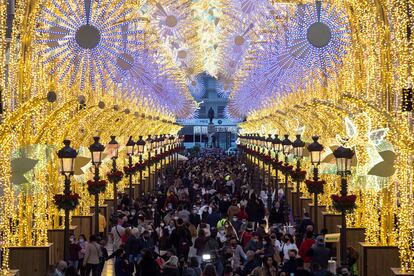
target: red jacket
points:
(242, 214)
(304, 248)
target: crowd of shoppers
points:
(205, 218)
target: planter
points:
(66, 201)
(115, 177)
(343, 203)
(315, 187)
(298, 175)
(96, 187)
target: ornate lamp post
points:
(343, 163)
(96, 150)
(130, 148)
(149, 144)
(170, 150)
(141, 150)
(315, 149)
(155, 147)
(113, 148)
(269, 146)
(298, 146)
(286, 146)
(67, 157)
(277, 147)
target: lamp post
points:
(170, 147)
(277, 147)
(141, 149)
(67, 157)
(343, 158)
(155, 141)
(130, 147)
(96, 150)
(315, 149)
(149, 148)
(113, 148)
(298, 146)
(286, 146)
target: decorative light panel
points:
(88, 39)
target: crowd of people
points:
(206, 218)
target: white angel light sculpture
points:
(371, 150)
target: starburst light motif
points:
(88, 40)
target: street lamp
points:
(130, 148)
(155, 147)
(315, 149)
(96, 150)
(298, 146)
(149, 143)
(141, 149)
(170, 147)
(277, 147)
(113, 149)
(343, 158)
(286, 146)
(67, 157)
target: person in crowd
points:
(82, 243)
(60, 269)
(199, 243)
(300, 268)
(236, 223)
(195, 217)
(344, 271)
(319, 253)
(238, 255)
(131, 245)
(247, 235)
(92, 257)
(306, 221)
(102, 223)
(304, 248)
(234, 209)
(74, 249)
(170, 268)
(288, 244)
(181, 239)
(251, 263)
(117, 232)
(147, 265)
(214, 217)
(165, 241)
(268, 268)
(276, 216)
(193, 268)
(209, 270)
(290, 265)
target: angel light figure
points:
(364, 140)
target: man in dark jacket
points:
(214, 217)
(276, 214)
(319, 253)
(181, 239)
(290, 266)
(145, 243)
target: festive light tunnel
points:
(75, 69)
